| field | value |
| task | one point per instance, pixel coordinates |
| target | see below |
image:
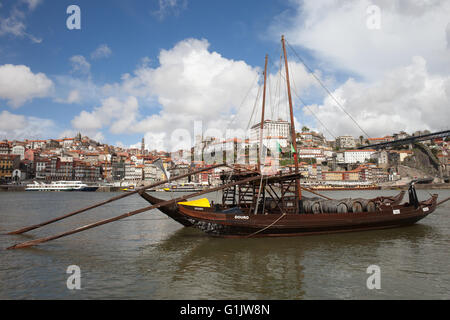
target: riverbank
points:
(16, 188)
(429, 186)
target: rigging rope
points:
(254, 107)
(328, 91)
(245, 98)
(305, 105)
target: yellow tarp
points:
(204, 203)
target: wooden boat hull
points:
(171, 210)
(243, 225)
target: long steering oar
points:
(125, 215)
(316, 193)
(26, 229)
(441, 202)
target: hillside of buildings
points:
(322, 161)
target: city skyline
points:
(147, 68)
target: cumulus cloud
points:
(14, 126)
(74, 89)
(337, 34)
(117, 114)
(72, 97)
(18, 84)
(103, 51)
(407, 98)
(399, 72)
(193, 84)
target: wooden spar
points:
(294, 143)
(441, 202)
(316, 193)
(126, 215)
(261, 128)
(26, 229)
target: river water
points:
(149, 256)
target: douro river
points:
(149, 256)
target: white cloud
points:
(407, 98)
(167, 7)
(80, 65)
(400, 71)
(74, 89)
(192, 84)
(87, 121)
(118, 115)
(72, 97)
(103, 51)
(14, 24)
(338, 35)
(32, 4)
(14, 126)
(18, 84)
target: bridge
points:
(409, 140)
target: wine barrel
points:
(308, 204)
(357, 206)
(341, 208)
(334, 206)
(271, 204)
(316, 207)
(371, 206)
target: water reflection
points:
(194, 265)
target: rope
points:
(265, 228)
(328, 91)
(254, 107)
(243, 100)
(305, 105)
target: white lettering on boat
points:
(396, 211)
(241, 217)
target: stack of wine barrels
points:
(318, 205)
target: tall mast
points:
(298, 191)
(261, 128)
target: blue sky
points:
(133, 34)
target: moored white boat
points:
(60, 186)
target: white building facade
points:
(355, 156)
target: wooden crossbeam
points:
(125, 215)
(26, 229)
